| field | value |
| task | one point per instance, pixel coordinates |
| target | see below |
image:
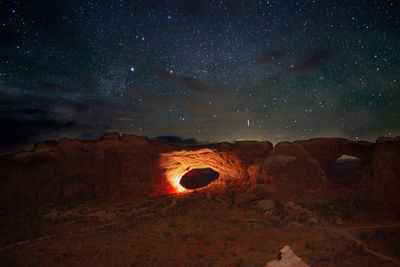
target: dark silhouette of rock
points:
(327, 150)
(289, 149)
(384, 185)
(288, 171)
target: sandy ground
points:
(195, 230)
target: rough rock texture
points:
(176, 163)
(287, 259)
(116, 166)
(248, 152)
(327, 150)
(289, 170)
(128, 166)
(289, 149)
(257, 192)
(384, 185)
(70, 170)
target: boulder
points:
(287, 259)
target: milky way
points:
(204, 71)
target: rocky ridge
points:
(130, 167)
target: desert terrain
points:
(117, 202)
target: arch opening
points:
(198, 178)
(344, 166)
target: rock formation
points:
(129, 167)
(384, 184)
(327, 150)
(287, 171)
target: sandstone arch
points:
(327, 150)
(176, 163)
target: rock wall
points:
(129, 167)
(70, 170)
(114, 167)
(288, 171)
(327, 150)
(384, 185)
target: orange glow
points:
(177, 163)
(174, 181)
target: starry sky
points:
(199, 71)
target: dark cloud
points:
(148, 97)
(43, 86)
(319, 58)
(18, 133)
(32, 111)
(176, 140)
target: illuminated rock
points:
(287, 259)
(177, 163)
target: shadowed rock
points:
(288, 172)
(327, 150)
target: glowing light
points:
(175, 183)
(175, 177)
(177, 163)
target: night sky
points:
(204, 71)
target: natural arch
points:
(198, 178)
(176, 164)
(344, 166)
